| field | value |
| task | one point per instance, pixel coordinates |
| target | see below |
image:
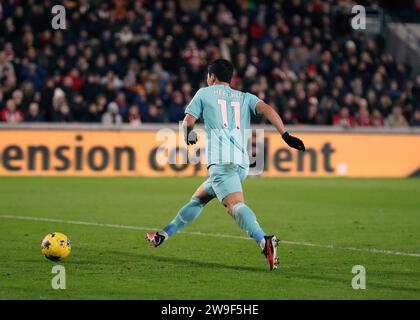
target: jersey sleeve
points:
(195, 107)
(252, 102)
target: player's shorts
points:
(224, 179)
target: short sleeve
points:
(252, 102)
(195, 107)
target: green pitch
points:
(329, 225)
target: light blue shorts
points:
(224, 179)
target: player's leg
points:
(226, 183)
(190, 211)
(187, 214)
(244, 216)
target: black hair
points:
(222, 69)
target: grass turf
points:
(116, 263)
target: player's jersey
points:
(226, 113)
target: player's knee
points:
(231, 206)
(202, 196)
(230, 210)
(198, 201)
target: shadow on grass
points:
(153, 259)
(157, 260)
(346, 283)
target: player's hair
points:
(222, 69)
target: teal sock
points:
(247, 220)
(185, 216)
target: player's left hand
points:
(191, 138)
(293, 142)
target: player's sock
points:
(247, 220)
(185, 216)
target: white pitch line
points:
(204, 234)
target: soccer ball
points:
(56, 246)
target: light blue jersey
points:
(227, 114)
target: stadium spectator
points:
(134, 116)
(312, 116)
(363, 116)
(415, 121)
(396, 118)
(11, 113)
(288, 117)
(78, 107)
(63, 114)
(93, 115)
(343, 118)
(155, 114)
(122, 103)
(33, 114)
(328, 110)
(385, 105)
(377, 120)
(112, 116)
(17, 97)
(176, 108)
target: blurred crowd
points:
(121, 61)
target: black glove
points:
(293, 141)
(191, 138)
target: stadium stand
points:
(142, 61)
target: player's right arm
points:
(193, 112)
(268, 111)
(190, 136)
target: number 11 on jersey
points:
(236, 112)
